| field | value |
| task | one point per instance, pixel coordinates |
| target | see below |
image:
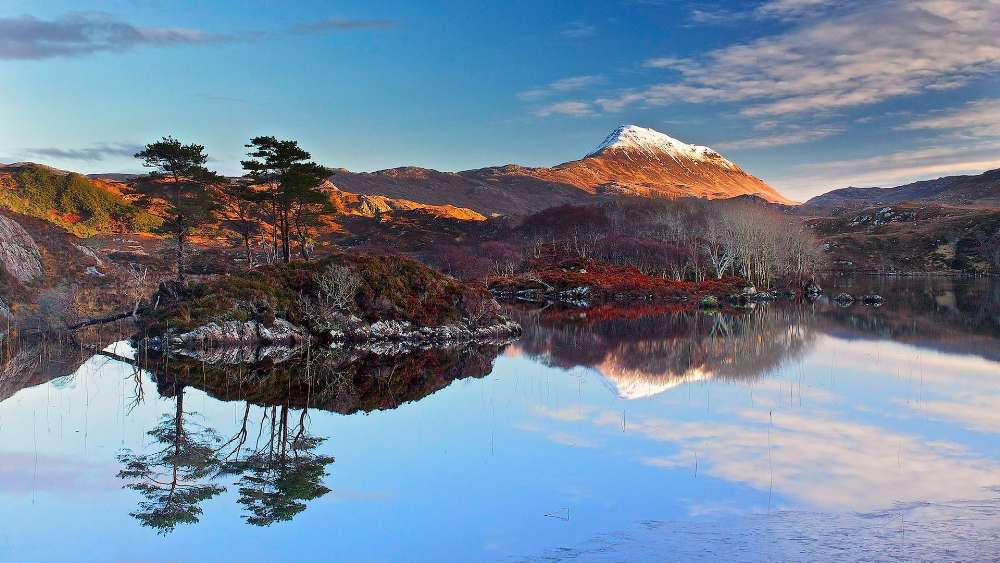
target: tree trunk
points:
(180, 257)
(286, 239)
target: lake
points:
(789, 432)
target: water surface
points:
(789, 432)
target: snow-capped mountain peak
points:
(652, 143)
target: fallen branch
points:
(102, 320)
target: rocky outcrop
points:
(19, 255)
(234, 334)
(844, 298)
(249, 338)
(811, 288)
(873, 299)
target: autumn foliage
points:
(553, 272)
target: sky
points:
(809, 95)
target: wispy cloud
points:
(87, 33)
(769, 10)
(578, 30)
(791, 9)
(714, 16)
(666, 62)
(334, 24)
(976, 119)
(572, 108)
(561, 86)
(78, 34)
(873, 52)
(795, 137)
(89, 154)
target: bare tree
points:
(337, 289)
(716, 242)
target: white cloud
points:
(831, 463)
(569, 108)
(794, 137)
(560, 86)
(794, 8)
(666, 62)
(976, 119)
(976, 412)
(578, 30)
(875, 52)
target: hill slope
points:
(980, 190)
(81, 205)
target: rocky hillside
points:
(632, 160)
(381, 207)
(980, 190)
(908, 238)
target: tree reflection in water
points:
(275, 468)
(276, 476)
(279, 476)
(278, 471)
(176, 478)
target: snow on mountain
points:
(631, 384)
(652, 143)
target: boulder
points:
(872, 299)
(19, 255)
(812, 288)
(844, 298)
(237, 333)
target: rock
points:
(89, 253)
(237, 333)
(812, 288)
(872, 299)
(748, 290)
(5, 314)
(19, 254)
(844, 298)
(709, 302)
(764, 296)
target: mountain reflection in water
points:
(644, 356)
(830, 433)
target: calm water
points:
(787, 433)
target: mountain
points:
(632, 161)
(645, 162)
(980, 190)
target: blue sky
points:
(809, 95)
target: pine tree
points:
(289, 189)
(182, 185)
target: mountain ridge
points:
(632, 160)
(969, 190)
